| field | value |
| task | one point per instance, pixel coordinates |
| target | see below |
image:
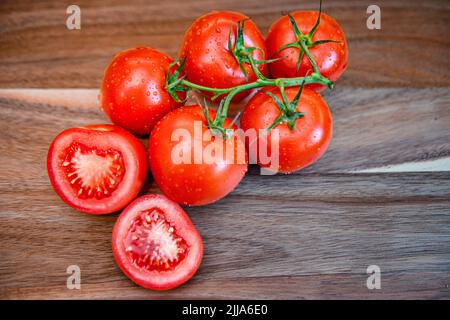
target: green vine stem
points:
(314, 78)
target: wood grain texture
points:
(372, 127)
(304, 236)
(37, 50)
(310, 235)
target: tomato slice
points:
(155, 243)
(97, 169)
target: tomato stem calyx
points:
(304, 41)
(288, 110)
(216, 129)
(244, 54)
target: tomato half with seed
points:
(97, 169)
(190, 164)
(331, 58)
(155, 243)
(133, 93)
(291, 149)
(209, 61)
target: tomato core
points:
(93, 173)
(152, 242)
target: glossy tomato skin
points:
(107, 141)
(208, 60)
(194, 182)
(133, 94)
(331, 58)
(173, 217)
(298, 148)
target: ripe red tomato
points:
(209, 62)
(297, 148)
(331, 57)
(155, 244)
(97, 169)
(133, 94)
(185, 159)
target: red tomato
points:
(186, 167)
(209, 62)
(97, 169)
(331, 58)
(133, 94)
(297, 148)
(155, 244)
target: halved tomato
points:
(97, 169)
(155, 243)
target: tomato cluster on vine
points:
(223, 57)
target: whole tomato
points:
(299, 145)
(133, 94)
(209, 61)
(331, 57)
(190, 164)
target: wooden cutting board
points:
(379, 196)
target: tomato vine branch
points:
(176, 82)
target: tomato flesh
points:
(92, 172)
(155, 244)
(152, 242)
(97, 169)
